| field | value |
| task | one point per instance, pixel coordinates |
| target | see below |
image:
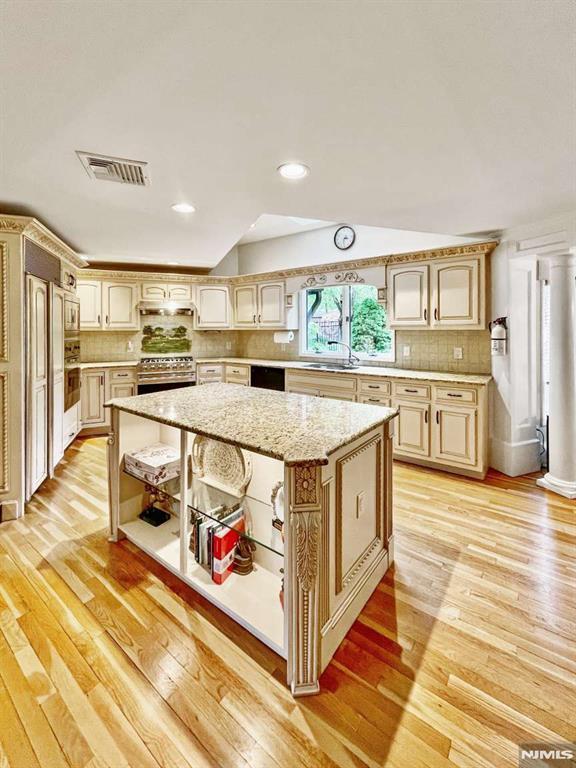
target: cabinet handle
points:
(121, 375)
(435, 313)
(437, 417)
(425, 417)
(98, 319)
(107, 320)
(102, 381)
(453, 394)
(425, 313)
(259, 318)
(373, 400)
(254, 321)
(412, 391)
(373, 386)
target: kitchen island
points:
(313, 481)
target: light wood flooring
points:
(466, 649)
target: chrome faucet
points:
(352, 359)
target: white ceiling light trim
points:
(293, 171)
(183, 208)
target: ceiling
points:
(268, 226)
(450, 117)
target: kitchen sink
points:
(331, 366)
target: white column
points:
(561, 476)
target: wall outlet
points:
(458, 353)
(228, 345)
(405, 351)
(130, 346)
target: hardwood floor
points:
(465, 650)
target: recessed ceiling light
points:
(172, 263)
(293, 171)
(252, 225)
(183, 208)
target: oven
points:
(157, 374)
(71, 373)
(71, 316)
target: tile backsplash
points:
(429, 350)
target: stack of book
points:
(213, 541)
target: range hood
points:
(166, 308)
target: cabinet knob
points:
(425, 313)
(437, 417)
(435, 313)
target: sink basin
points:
(331, 366)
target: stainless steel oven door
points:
(71, 386)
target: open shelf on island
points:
(252, 600)
(213, 503)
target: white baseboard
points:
(514, 459)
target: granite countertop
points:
(295, 429)
(110, 364)
(363, 370)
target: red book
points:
(223, 548)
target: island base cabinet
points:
(339, 547)
(336, 545)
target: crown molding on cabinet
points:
(341, 267)
(38, 233)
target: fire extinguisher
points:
(498, 336)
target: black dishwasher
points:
(267, 377)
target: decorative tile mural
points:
(161, 339)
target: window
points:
(345, 313)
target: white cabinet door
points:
(119, 306)
(89, 294)
(454, 435)
(122, 389)
(271, 309)
(213, 306)
(93, 397)
(412, 435)
(408, 295)
(179, 292)
(455, 293)
(57, 321)
(245, 306)
(154, 292)
(37, 411)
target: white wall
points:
(317, 247)
(228, 265)
(517, 266)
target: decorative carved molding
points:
(4, 477)
(36, 231)
(348, 277)
(343, 580)
(307, 528)
(3, 302)
(311, 282)
(305, 485)
(314, 275)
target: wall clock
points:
(344, 238)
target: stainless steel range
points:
(159, 373)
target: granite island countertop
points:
(295, 429)
(362, 370)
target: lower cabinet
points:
(455, 434)
(209, 373)
(100, 385)
(412, 433)
(72, 424)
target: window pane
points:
(368, 332)
(323, 318)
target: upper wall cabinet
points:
(166, 291)
(455, 293)
(408, 295)
(108, 306)
(212, 306)
(439, 294)
(260, 305)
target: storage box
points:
(154, 464)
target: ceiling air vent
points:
(103, 168)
